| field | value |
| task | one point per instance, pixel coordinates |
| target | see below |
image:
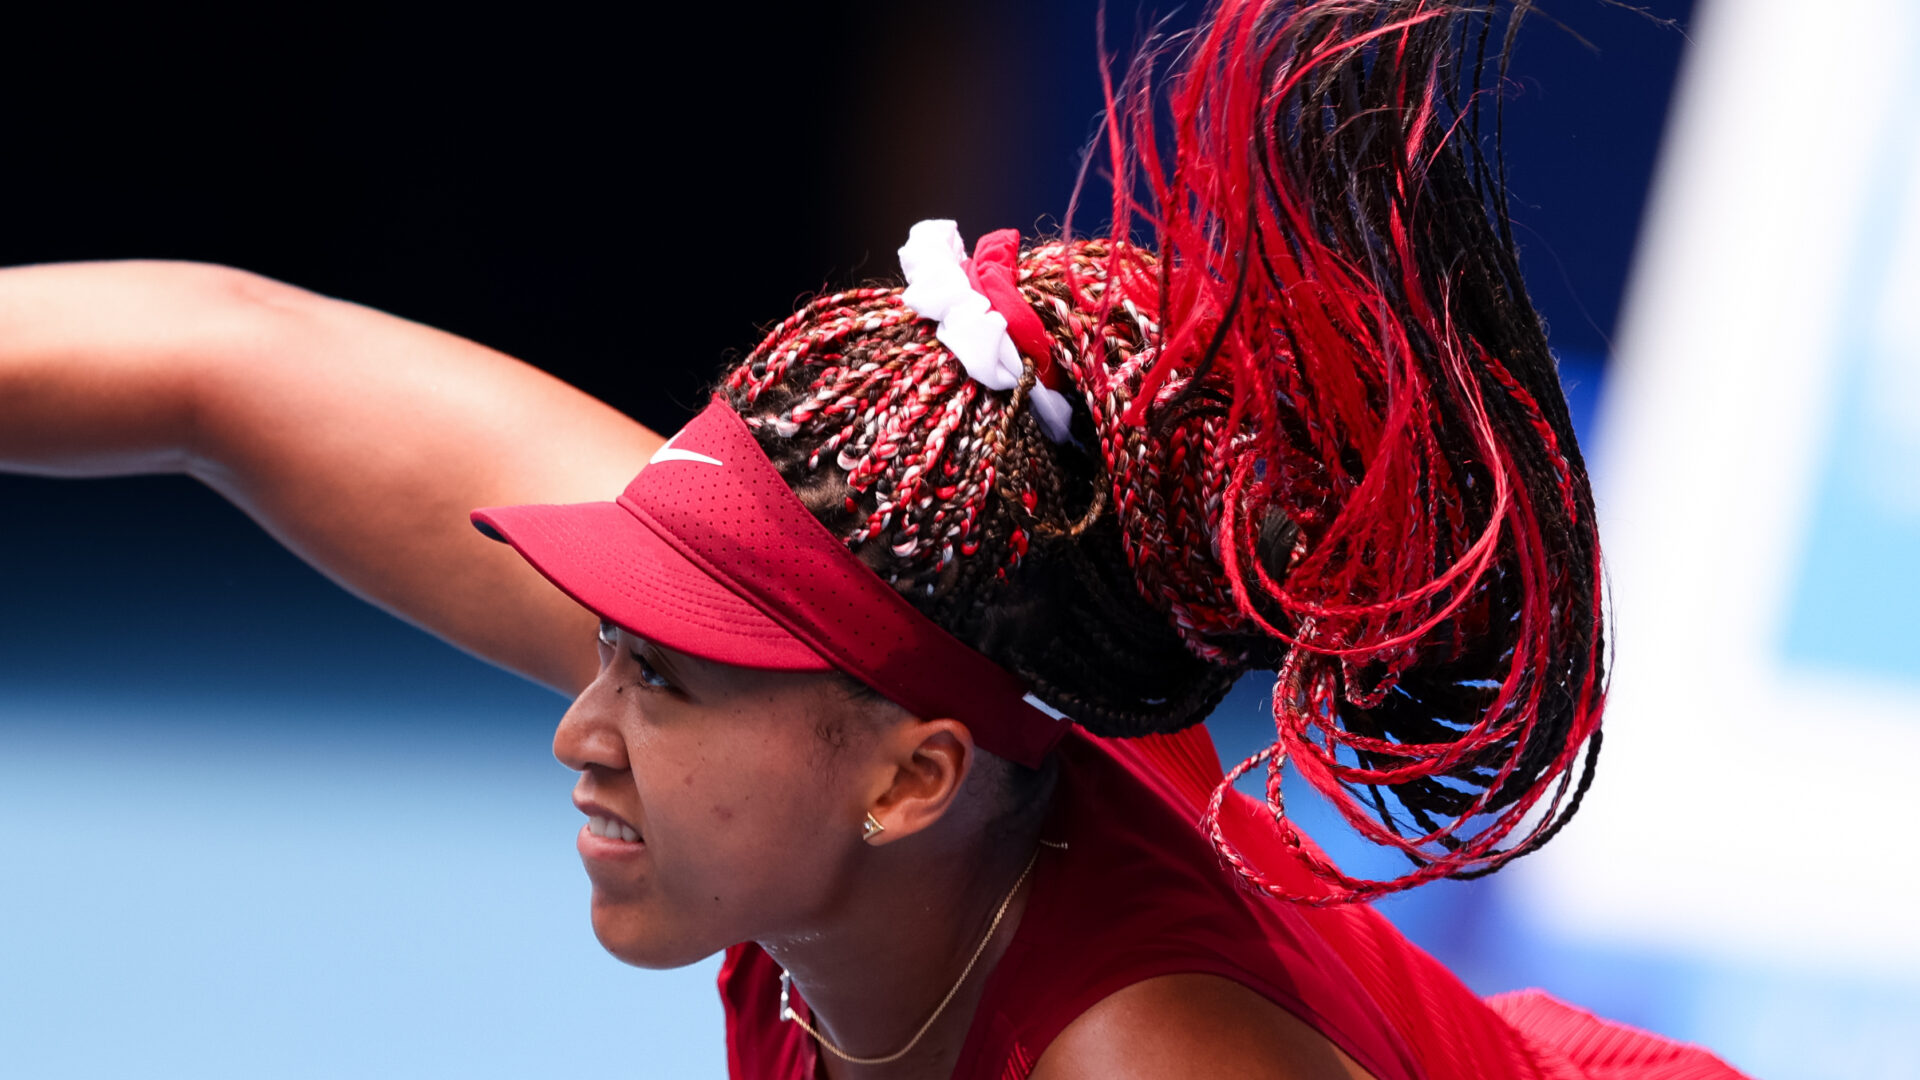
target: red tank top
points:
(1138, 892)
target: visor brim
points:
(614, 565)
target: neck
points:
(914, 912)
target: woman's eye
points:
(648, 676)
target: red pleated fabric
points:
(1573, 1044)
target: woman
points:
(903, 642)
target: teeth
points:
(611, 829)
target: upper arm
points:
(1195, 1026)
(362, 441)
(358, 439)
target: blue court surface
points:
(247, 889)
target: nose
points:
(589, 734)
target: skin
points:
(361, 441)
(357, 439)
(1194, 1026)
(751, 829)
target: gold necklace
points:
(786, 983)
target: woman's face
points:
(745, 817)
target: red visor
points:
(708, 552)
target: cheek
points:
(741, 843)
(749, 824)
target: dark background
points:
(623, 203)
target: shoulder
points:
(1192, 1025)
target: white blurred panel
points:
(1758, 471)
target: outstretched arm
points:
(357, 439)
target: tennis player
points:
(889, 668)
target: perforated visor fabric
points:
(708, 552)
(603, 557)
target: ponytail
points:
(1348, 458)
(1318, 431)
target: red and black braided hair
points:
(1316, 429)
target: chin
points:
(636, 938)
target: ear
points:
(924, 764)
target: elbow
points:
(237, 330)
(123, 366)
(216, 289)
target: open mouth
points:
(612, 829)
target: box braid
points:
(951, 492)
(1317, 430)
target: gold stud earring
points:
(871, 828)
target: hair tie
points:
(983, 320)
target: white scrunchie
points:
(938, 289)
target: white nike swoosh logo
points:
(670, 452)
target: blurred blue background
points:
(251, 827)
